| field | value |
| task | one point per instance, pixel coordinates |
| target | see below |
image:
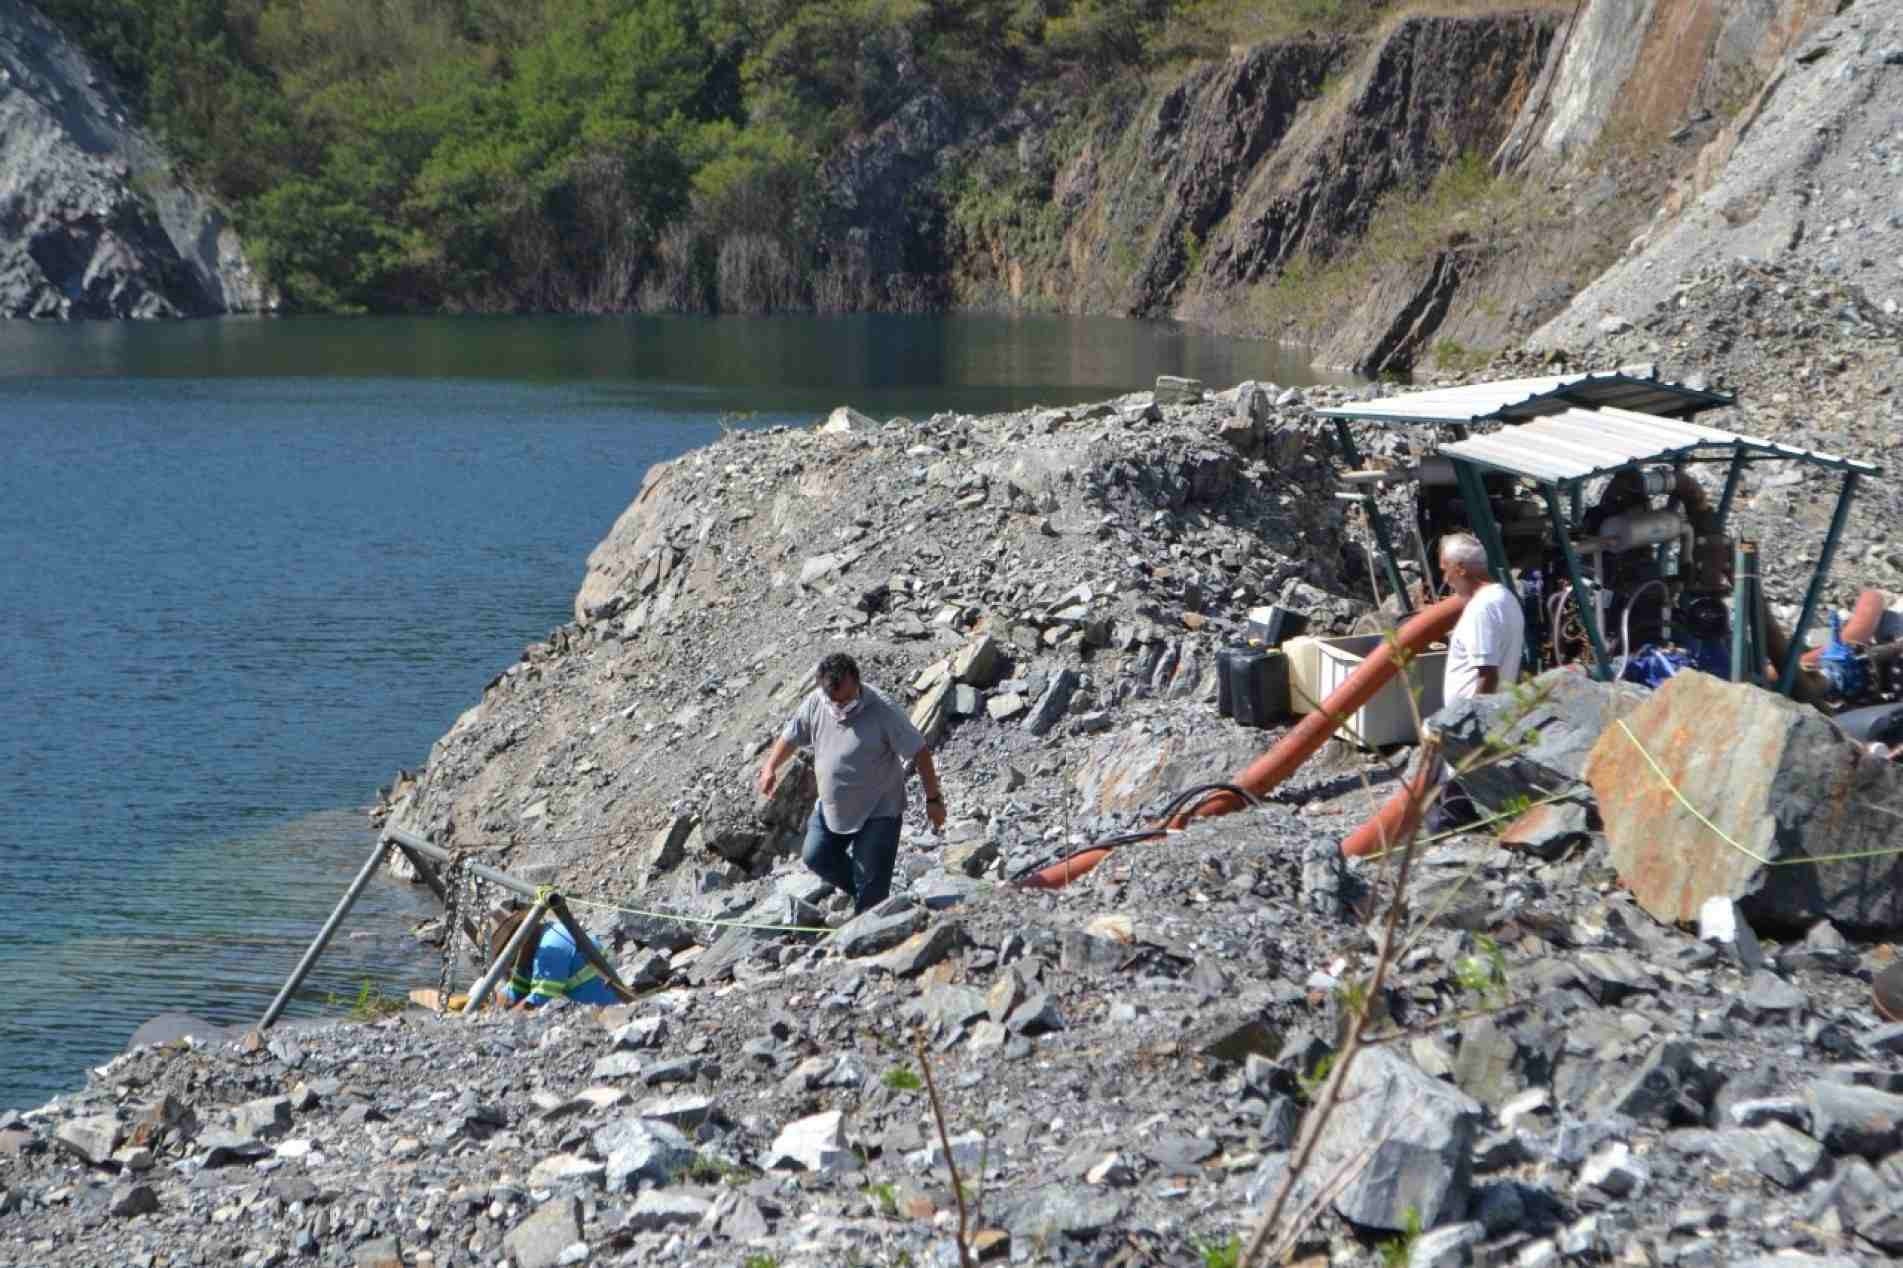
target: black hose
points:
(1191, 797)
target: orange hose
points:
(1397, 817)
(1269, 770)
(1064, 871)
(1288, 753)
(1862, 625)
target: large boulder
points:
(1716, 789)
(541, 1240)
(1546, 727)
(1404, 1140)
(845, 420)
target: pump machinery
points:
(1586, 492)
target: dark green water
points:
(249, 568)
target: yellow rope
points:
(1726, 837)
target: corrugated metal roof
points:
(1529, 398)
(1578, 444)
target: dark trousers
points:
(857, 863)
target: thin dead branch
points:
(951, 1162)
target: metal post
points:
(480, 991)
(324, 935)
(1760, 614)
(1376, 520)
(1747, 657)
(1587, 603)
(557, 907)
(410, 840)
(586, 945)
(1473, 491)
(1787, 674)
(1731, 487)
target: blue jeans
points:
(857, 863)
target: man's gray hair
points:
(1464, 549)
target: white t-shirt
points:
(1491, 631)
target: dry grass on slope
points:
(1210, 28)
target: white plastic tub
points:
(1388, 718)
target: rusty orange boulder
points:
(1712, 788)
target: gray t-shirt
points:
(861, 762)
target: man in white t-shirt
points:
(1483, 655)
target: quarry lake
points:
(249, 568)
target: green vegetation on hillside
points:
(1467, 208)
(586, 155)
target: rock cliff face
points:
(1590, 121)
(93, 222)
(1243, 165)
(1805, 174)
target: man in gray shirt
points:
(862, 745)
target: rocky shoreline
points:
(1123, 1064)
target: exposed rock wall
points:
(881, 249)
(1434, 89)
(93, 221)
(1609, 114)
(1649, 67)
(1224, 177)
(1806, 174)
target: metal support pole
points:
(1587, 603)
(586, 945)
(1473, 492)
(324, 935)
(557, 907)
(1390, 563)
(1731, 487)
(1745, 658)
(436, 853)
(1787, 673)
(1760, 614)
(480, 991)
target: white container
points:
(1304, 672)
(1387, 718)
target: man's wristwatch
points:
(934, 801)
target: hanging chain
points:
(476, 912)
(452, 925)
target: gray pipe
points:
(410, 840)
(488, 983)
(1625, 623)
(324, 935)
(590, 952)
